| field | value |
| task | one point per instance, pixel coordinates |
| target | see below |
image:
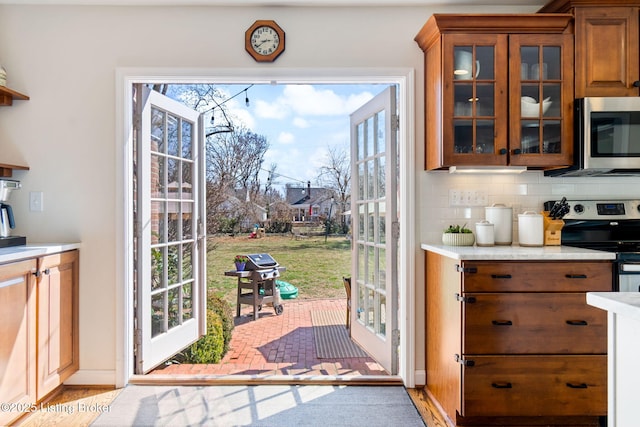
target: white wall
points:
(65, 59)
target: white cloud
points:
(286, 138)
(270, 110)
(300, 123)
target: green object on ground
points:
(287, 290)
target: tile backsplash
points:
(523, 192)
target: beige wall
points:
(65, 58)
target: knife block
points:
(552, 230)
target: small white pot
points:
(530, 229)
(485, 234)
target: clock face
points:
(265, 40)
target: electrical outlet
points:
(468, 198)
(36, 201)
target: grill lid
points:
(260, 262)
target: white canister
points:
(485, 233)
(530, 229)
(501, 216)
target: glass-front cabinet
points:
(541, 99)
(498, 90)
(475, 100)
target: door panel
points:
(374, 273)
(170, 251)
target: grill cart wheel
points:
(279, 309)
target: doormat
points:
(332, 337)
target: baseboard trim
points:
(92, 377)
(420, 378)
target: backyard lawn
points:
(316, 268)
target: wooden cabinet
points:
(17, 339)
(516, 339)
(498, 90)
(607, 45)
(58, 347)
(38, 329)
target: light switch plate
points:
(36, 201)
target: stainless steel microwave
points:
(607, 137)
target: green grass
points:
(316, 268)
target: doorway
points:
(404, 80)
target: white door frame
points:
(126, 77)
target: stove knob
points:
(578, 208)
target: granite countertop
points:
(621, 303)
(517, 253)
(17, 253)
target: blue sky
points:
(299, 121)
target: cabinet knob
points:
(517, 151)
(503, 151)
(636, 83)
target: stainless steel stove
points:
(607, 225)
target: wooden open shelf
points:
(8, 95)
(6, 170)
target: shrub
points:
(212, 347)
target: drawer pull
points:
(501, 276)
(502, 322)
(469, 300)
(581, 385)
(502, 385)
(575, 276)
(577, 322)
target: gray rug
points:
(261, 405)
(332, 337)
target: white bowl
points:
(530, 108)
(458, 239)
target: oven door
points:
(629, 276)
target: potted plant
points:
(457, 235)
(241, 262)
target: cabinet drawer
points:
(533, 276)
(533, 323)
(535, 386)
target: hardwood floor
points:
(72, 406)
(428, 412)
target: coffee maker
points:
(7, 220)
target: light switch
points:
(36, 201)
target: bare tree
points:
(336, 176)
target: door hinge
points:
(464, 362)
(469, 300)
(461, 269)
(395, 122)
(395, 338)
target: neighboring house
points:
(247, 212)
(309, 204)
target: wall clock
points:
(264, 40)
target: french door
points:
(170, 244)
(374, 207)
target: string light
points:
(227, 127)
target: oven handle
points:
(630, 268)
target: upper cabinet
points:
(498, 90)
(607, 45)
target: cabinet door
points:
(607, 51)
(17, 339)
(541, 100)
(474, 106)
(57, 320)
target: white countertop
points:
(517, 253)
(622, 303)
(33, 250)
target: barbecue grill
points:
(257, 284)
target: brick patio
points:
(279, 345)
